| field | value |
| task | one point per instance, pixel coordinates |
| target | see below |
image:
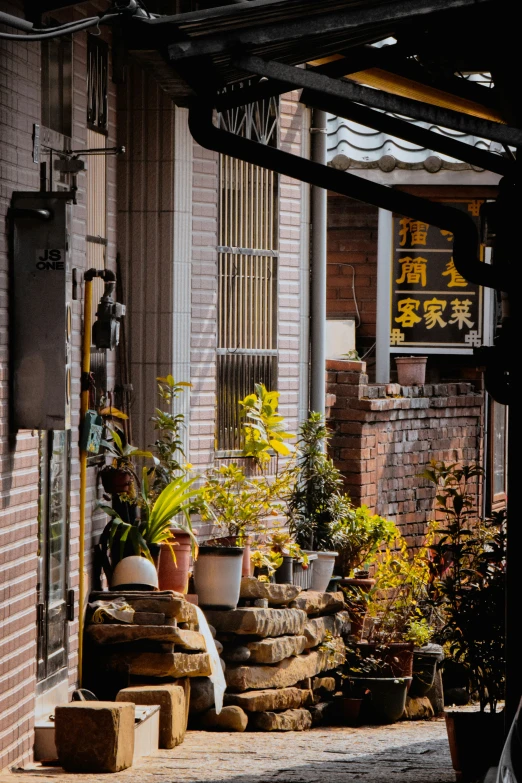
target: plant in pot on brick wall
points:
(467, 560)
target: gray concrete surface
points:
(405, 752)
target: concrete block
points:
(171, 700)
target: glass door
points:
(53, 539)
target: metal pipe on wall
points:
(318, 272)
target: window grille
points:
(247, 272)
(97, 84)
(56, 63)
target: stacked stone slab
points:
(161, 647)
(277, 647)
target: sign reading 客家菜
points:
(433, 306)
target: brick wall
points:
(384, 436)
(352, 242)
(20, 109)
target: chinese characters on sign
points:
(433, 306)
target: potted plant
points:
(120, 477)
(371, 692)
(290, 561)
(411, 370)
(468, 563)
(143, 537)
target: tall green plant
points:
(168, 445)
(264, 428)
(468, 564)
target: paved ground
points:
(402, 753)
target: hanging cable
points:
(354, 296)
(57, 32)
(368, 351)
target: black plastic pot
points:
(475, 740)
(285, 573)
(386, 699)
(424, 668)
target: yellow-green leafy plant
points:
(264, 428)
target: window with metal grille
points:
(56, 62)
(247, 272)
(97, 84)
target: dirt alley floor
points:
(405, 752)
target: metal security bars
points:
(247, 271)
(97, 84)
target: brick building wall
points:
(385, 435)
(20, 110)
(352, 251)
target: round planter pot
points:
(386, 699)
(323, 570)
(351, 711)
(424, 669)
(246, 567)
(174, 575)
(285, 573)
(135, 573)
(411, 370)
(475, 740)
(217, 576)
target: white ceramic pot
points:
(217, 576)
(136, 573)
(323, 570)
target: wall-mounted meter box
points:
(41, 310)
(340, 338)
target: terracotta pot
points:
(411, 370)
(116, 481)
(475, 740)
(351, 711)
(174, 575)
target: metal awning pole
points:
(318, 273)
(382, 335)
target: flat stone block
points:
(121, 633)
(419, 708)
(270, 699)
(275, 650)
(323, 684)
(230, 718)
(171, 701)
(95, 736)
(319, 603)
(150, 664)
(290, 720)
(316, 628)
(165, 602)
(287, 672)
(277, 595)
(259, 622)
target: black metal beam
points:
(466, 241)
(353, 17)
(408, 131)
(378, 99)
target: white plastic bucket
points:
(323, 570)
(217, 576)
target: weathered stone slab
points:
(312, 602)
(150, 664)
(277, 595)
(270, 699)
(94, 736)
(316, 628)
(171, 700)
(288, 672)
(201, 695)
(230, 718)
(151, 618)
(165, 602)
(275, 650)
(290, 720)
(259, 622)
(122, 633)
(323, 684)
(419, 708)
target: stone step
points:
(275, 650)
(314, 603)
(172, 665)
(270, 699)
(172, 701)
(276, 595)
(254, 621)
(290, 720)
(119, 634)
(316, 628)
(231, 718)
(286, 673)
